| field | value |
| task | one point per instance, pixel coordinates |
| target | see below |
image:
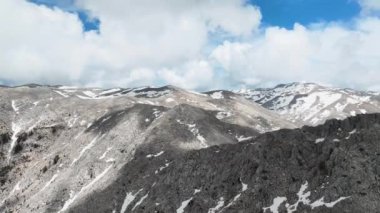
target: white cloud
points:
(39, 44)
(145, 42)
(193, 74)
(331, 54)
(370, 5)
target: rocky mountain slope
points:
(328, 168)
(60, 144)
(165, 149)
(312, 104)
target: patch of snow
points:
(50, 181)
(149, 94)
(219, 205)
(110, 160)
(196, 191)
(244, 187)
(155, 155)
(340, 107)
(303, 197)
(321, 202)
(128, 200)
(71, 122)
(276, 204)
(191, 101)
(105, 153)
(89, 146)
(90, 94)
(16, 187)
(351, 133)
(193, 129)
(168, 100)
(14, 107)
(156, 112)
(83, 122)
(110, 91)
(162, 168)
(232, 202)
(217, 95)
(106, 119)
(184, 204)
(150, 103)
(242, 138)
(73, 197)
(61, 93)
(336, 140)
(68, 87)
(140, 201)
(15, 129)
(320, 140)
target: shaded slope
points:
(283, 171)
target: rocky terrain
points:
(313, 104)
(329, 168)
(165, 149)
(59, 144)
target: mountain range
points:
(297, 147)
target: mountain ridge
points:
(311, 104)
(167, 149)
(314, 173)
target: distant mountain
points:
(312, 104)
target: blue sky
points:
(68, 5)
(283, 13)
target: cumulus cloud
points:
(46, 45)
(145, 42)
(370, 5)
(331, 54)
(38, 44)
(193, 74)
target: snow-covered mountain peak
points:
(311, 103)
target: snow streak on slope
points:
(16, 129)
(71, 200)
(193, 129)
